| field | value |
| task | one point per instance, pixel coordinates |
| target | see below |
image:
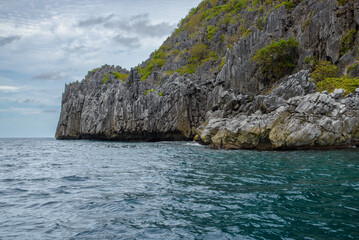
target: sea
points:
(52, 189)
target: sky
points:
(47, 43)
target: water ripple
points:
(112, 190)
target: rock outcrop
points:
(230, 105)
(131, 110)
(293, 116)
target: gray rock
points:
(297, 85)
(337, 93)
(235, 107)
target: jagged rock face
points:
(306, 120)
(131, 110)
(236, 108)
(317, 25)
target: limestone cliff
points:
(204, 81)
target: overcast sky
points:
(47, 43)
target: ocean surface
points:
(174, 190)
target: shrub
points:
(312, 60)
(345, 82)
(278, 58)
(157, 60)
(287, 4)
(260, 24)
(211, 30)
(222, 63)
(147, 91)
(198, 53)
(160, 94)
(342, 2)
(347, 42)
(92, 71)
(189, 68)
(351, 68)
(105, 78)
(170, 72)
(121, 76)
(323, 70)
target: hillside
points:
(230, 74)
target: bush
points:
(344, 82)
(313, 60)
(278, 58)
(121, 76)
(147, 91)
(347, 42)
(211, 30)
(352, 67)
(198, 53)
(189, 68)
(92, 71)
(222, 63)
(105, 78)
(158, 59)
(323, 70)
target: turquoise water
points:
(113, 190)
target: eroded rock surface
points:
(233, 106)
(306, 120)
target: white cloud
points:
(9, 88)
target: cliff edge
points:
(234, 74)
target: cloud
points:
(141, 25)
(18, 99)
(137, 24)
(9, 88)
(95, 21)
(52, 76)
(130, 42)
(8, 40)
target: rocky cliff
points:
(234, 74)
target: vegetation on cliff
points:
(209, 30)
(200, 42)
(278, 58)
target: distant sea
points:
(53, 189)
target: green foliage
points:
(170, 72)
(307, 21)
(288, 4)
(347, 42)
(312, 60)
(121, 76)
(259, 24)
(211, 56)
(351, 68)
(222, 63)
(209, 18)
(147, 91)
(211, 30)
(174, 52)
(105, 78)
(323, 70)
(189, 68)
(158, 60)
(198, 53)
(342, 2)
(277, 59)
(244, 30)
(344, 82)
(92, 71)
(160, 94)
